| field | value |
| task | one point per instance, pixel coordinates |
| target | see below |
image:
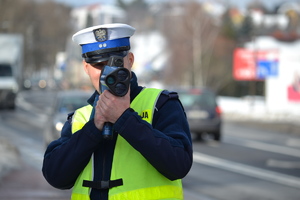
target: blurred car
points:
(66, 102)
(203, 112)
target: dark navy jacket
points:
(166, 144)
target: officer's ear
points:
(130, 59)
(85, 66)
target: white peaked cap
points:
(114, 31)
(98, 42)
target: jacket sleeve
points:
(60, 167)
(166, 144)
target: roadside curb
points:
(9, 157)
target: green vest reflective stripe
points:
(81, 116)
(141, 181)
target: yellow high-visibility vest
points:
(141, 181)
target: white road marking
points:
(293, 142)
(31, 151)
(247, 170)
(22, 103)
(265, 147)
(283, 164)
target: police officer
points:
(151, 149)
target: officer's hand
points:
(110, 107)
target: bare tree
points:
(191, 34)
(44, 25)
(138, 14)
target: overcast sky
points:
(239, 3)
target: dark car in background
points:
(203, 112)
(65, 103)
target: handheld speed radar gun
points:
(115, 78)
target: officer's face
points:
(94, 70)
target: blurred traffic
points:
(66, 102)
(11, 65)
(203, 112)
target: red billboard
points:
(244, 65)
(250, 65)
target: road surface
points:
(249, 163)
